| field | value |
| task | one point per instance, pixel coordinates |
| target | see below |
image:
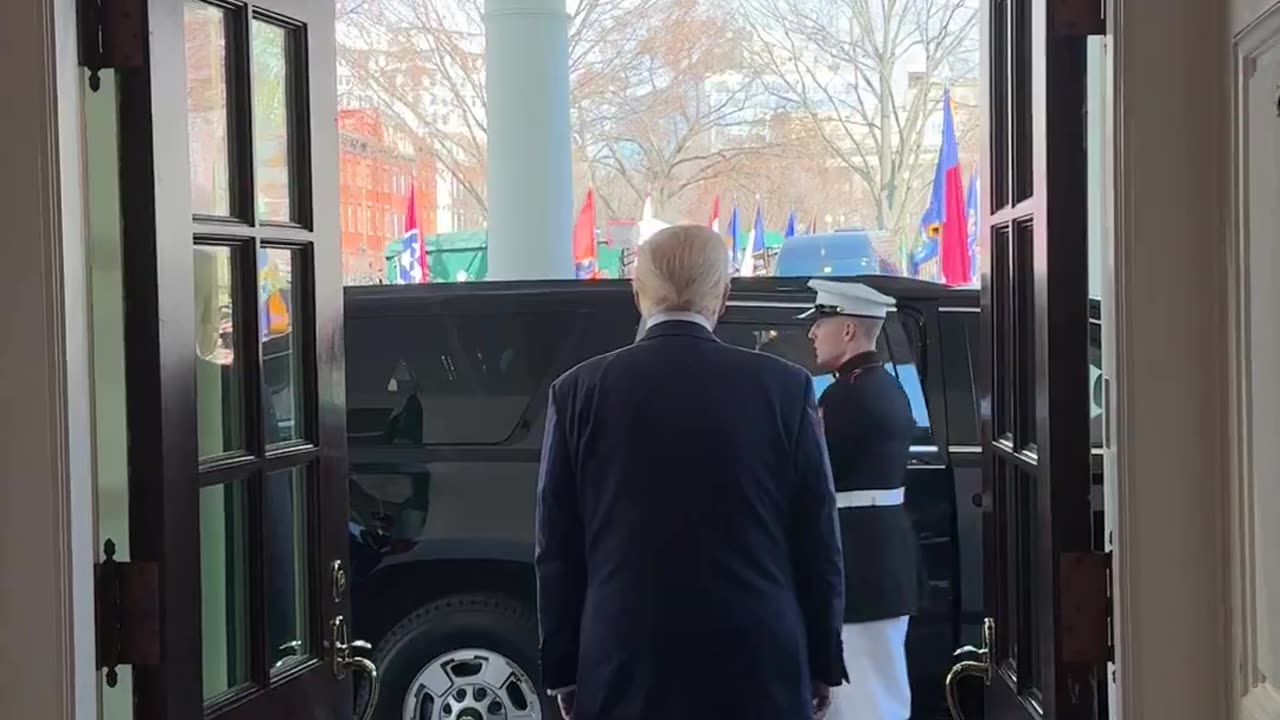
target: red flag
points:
(412, 233)
(954, 247)
(584, 239)
(714, 224)
(411, 263)
(946, 209)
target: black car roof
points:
(380, 298)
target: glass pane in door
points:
(224, 588)
(207, 31)
(272, 76)
(219, 372)
(285, 497)
(283, 320)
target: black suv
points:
(446, 391)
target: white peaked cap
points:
(848, 298)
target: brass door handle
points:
(344, 661)
(977, 668)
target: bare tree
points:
(422, 63)
(868, 75)
(686, 116)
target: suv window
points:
(900, 342)
(960, 374)
(438, 379)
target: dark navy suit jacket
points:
(688, 556)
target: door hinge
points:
(111, 36)
(1084, 590)
(1077, 17)
(127, 613)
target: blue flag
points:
(790, 230)
(927, 251)
(735, 234)
(931, 220)
(943, 225)
(971, 211)
(757, 228)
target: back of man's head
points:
(682, 268)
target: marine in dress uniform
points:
(868, 424)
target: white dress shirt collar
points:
(692, 317)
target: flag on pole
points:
(757, 232)
(584, 239)
(813, 224)
(755, 244)
(734, 234)
(646, 213)
(927, 251)
(715, 214)
(944, 219)
(971, 211)
(790, 230)
(411, 265)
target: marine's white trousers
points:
(875, 654)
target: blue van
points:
(843, 252)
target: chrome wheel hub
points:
(471, 684)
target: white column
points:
(530, 180)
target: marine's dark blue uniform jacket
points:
(868, 424)
(689, 562)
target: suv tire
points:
(491, 623)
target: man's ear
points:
(850, 329)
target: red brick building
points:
(376, 168)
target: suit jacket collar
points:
(671, 328)
(669, 316)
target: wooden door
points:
(234, 360)
(1046, 589)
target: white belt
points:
(870, 498)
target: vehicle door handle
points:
(980, 667)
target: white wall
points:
(1172, 201)
(1256, 410)
(46, 523)
(1260, 144)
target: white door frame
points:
(1175, 658)
(1252, 305)
(46, 506)
(1172, 382)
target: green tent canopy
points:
(464, 256)
(609, 260)
(450, 256)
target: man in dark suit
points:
(688, 559)
(868, 424)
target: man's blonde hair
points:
(682, 268)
